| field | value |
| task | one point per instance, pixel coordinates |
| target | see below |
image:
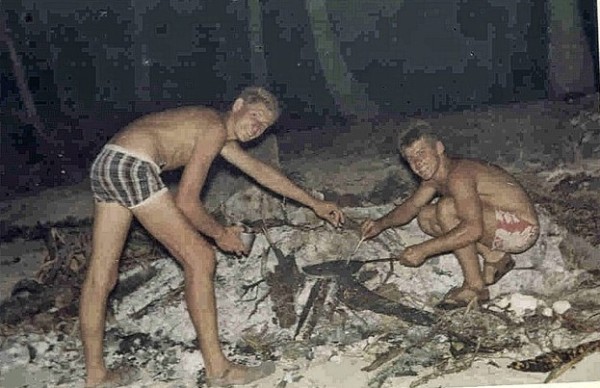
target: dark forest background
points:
(92, 66)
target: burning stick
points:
(355, 248)
(314, 293)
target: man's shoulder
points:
(463, 166)
(203, 112)
(470, 165)
(190, 111)
(464, 172)
(476, 170)
(204, 120)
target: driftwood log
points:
(358, 297)
(284, 282)
(556, 359)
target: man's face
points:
(423, 156)
(252, 121)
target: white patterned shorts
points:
(513, 234)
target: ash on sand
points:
(149, 326)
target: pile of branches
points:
(463, 336)
(49, 300)
(572, 201)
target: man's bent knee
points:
(201, 261)
(427, 221)
(446, 214)
(103, 280)
(445, 207)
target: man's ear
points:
(439, 147)
(237, 105)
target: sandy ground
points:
(329, 371)
(344, 371)
(353, 173)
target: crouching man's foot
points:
(240, 375)
(462, 296)
(114, 378)
(494, 271)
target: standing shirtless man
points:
(482, 209)
(126, 182)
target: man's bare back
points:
(496, 188)
(168, 137)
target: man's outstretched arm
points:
(401, 214)
(207, 146)
(273, 179)
(409, 209)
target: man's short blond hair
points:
(416, 130)
(257, 94)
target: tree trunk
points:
(32, 116)
(142, 61)
(569, 56)
(258, 63)
(350, 96)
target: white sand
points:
(342, 370)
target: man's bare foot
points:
(494, 271)
(240, 375)
(462, 296)
(115, 378)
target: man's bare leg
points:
(166, 222)
(111, 225)
(489, 255)
(469, 264)
(428, 221)
(496, 264)
(467, 256)
(435, 223)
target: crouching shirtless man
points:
(481, 210)
(126, 182)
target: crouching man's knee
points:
(427, 220)
(446, 214)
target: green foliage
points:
(564, 12)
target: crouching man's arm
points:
(273, 179)
(401, 214)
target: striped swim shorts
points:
(118, 175)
